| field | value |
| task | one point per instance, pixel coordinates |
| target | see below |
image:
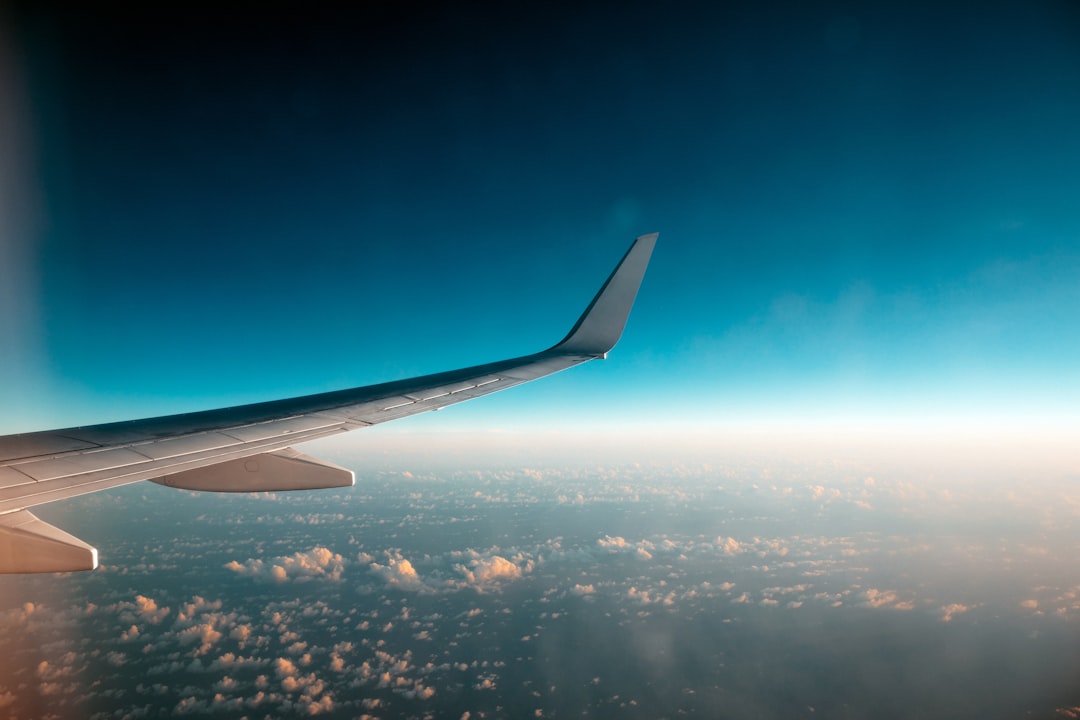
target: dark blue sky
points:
(863, 212)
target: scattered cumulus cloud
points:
(948, 612)
(319, 563)
(399, 573)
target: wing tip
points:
(601, 325)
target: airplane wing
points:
(248, 448)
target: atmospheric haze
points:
(778, 584)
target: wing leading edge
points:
(247, 448)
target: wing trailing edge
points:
(31, 545)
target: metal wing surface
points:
(247, 448)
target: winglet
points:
(602, 323)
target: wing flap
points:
(280, 428)
(31, 545)
(81, 463)
(10, 477)
(28, 445)
(185, 445)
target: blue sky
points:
(865, 214)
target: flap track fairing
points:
(285, 469)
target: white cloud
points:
(485, 572)
(190, 706)
(198, 605)
(399, 573)
(148, 609)
(205, 635)
(614, 543)
(872, 597)
(284, 667)
(241, 633)
(951, 610)
(460, 570)
(231, 660)
(729, 545)
(317, 563)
